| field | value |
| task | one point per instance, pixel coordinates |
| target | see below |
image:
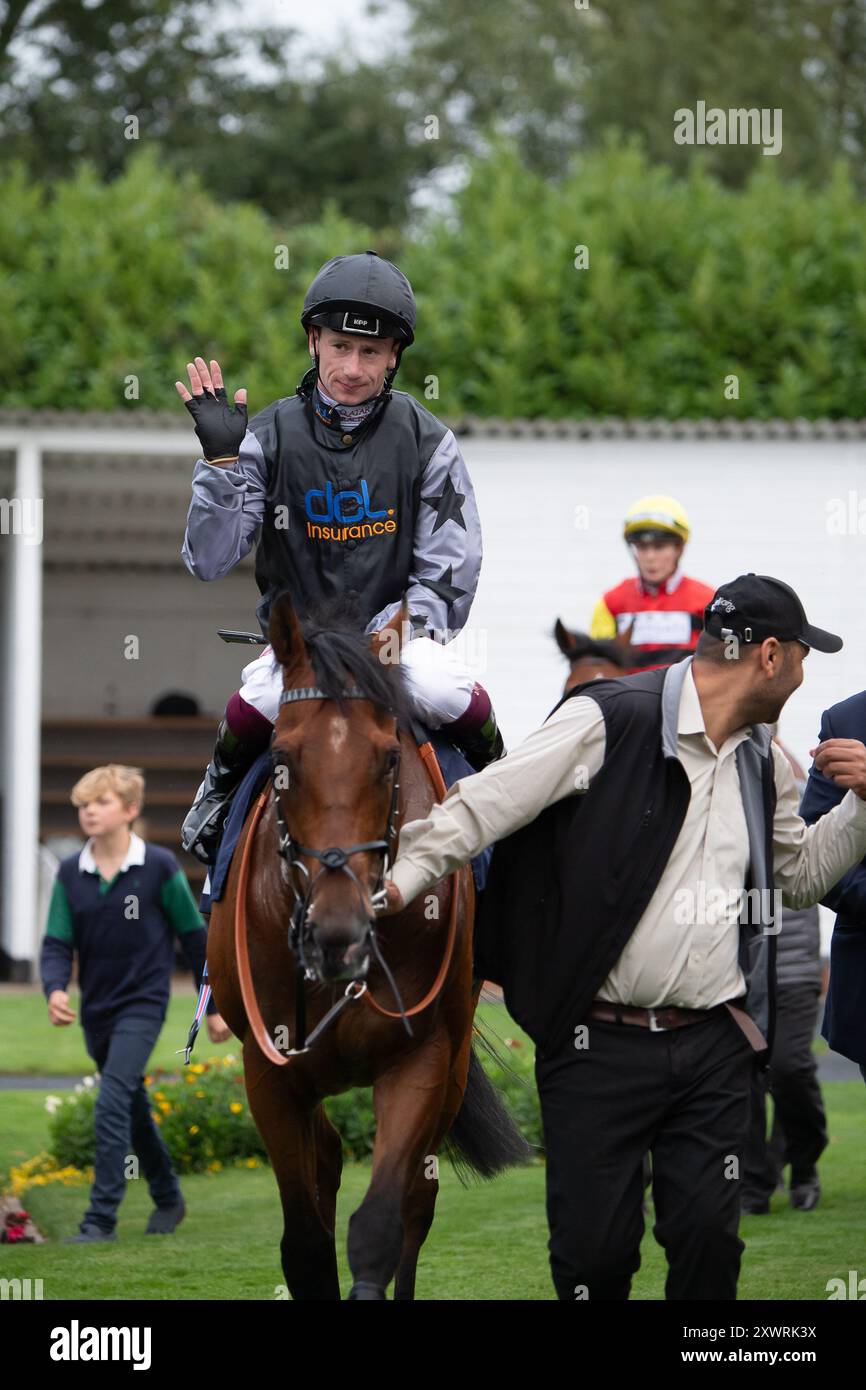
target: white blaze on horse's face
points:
(347, 771)
(339, 733)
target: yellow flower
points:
(197, 1068)
(214, 1167)
(24, 1177)
(235, 1107)
(159, 1095)
(164, 1107)
(193, 1129)
(199, 1095)
(158, 1119)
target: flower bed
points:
(203, 1114)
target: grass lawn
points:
(30, 1044)
(488, 1242)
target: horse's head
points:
(336, 756)
(591, 658)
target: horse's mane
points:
(338, 647)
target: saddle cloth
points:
(452, 764)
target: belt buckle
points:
(654, 1026)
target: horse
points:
(390, 1003)
(592, 658)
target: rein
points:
(334, 860)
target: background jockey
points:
(662, 606)
(349, 488)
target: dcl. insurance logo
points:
(346, 515)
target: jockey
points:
(663, 607)
(348, 487)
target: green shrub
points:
(202, 1114)
(689, 282)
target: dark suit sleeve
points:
(848, 896)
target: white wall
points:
(758, 506)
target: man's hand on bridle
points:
(220, 426)
(393, 901)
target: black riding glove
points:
(219, 425)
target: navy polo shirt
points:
(123, 932)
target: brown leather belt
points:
(657, 1020)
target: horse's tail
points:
(484, 1138)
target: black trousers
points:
(682, 1095)
(799, 1133)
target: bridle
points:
(334, 859)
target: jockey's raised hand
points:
(219, 425)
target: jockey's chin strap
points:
(334, 859)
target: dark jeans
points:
(799, 1133)
(123, 1120)
(683, 1096)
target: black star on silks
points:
(447, 504)
(443, 586)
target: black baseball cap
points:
(754, 607)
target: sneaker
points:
(164, 1219)
(90, 1235)
(805, 1195)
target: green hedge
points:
(135, 277)
(688, 282)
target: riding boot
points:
(202, 830)
(482, 745)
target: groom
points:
(650, 834)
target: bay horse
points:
(590, 658)
(295, 937)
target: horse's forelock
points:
(341, 654)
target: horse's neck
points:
(416, 788)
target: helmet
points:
(362, 294)
(663, 515)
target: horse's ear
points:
(565, 640)
(623, 639)
(392, 632)
(284, 631)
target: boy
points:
(118, 904)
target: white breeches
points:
(440, 683)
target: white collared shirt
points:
(134, 855)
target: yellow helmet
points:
(657, 513)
